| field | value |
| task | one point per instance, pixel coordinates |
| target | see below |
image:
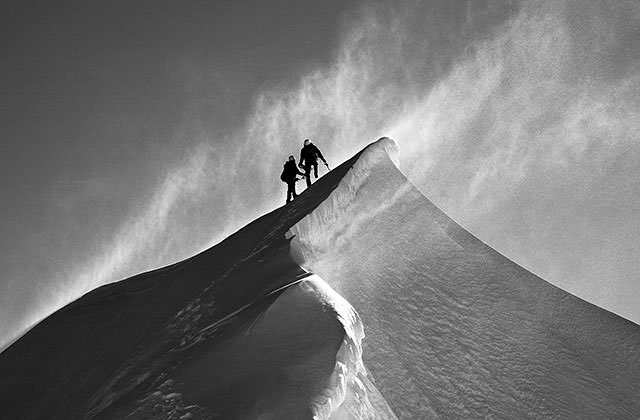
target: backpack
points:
(282, 175)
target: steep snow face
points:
(345, 396)
(292, 336)
(454, 329)
(349, 394)
(342, 215)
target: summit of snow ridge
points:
(116, 350)
(454, 328)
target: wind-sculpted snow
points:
(239, 331)
(344, 384)
(243, 331)
(341, 215)
(454, 329)
(350, 395)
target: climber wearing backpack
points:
(309, 158)
(289, 175)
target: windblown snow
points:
(360, 300)
(454, 329)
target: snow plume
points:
(536, 95)
(530, 141)
(129, 249)
(520, 119)
(149, 226)
(226, 177)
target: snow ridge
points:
(455, 329)
(350, 394)
(326, 226)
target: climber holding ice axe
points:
(309, 158)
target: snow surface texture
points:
(345, 383)
(349, 377)
(241, 331)
(454, 329)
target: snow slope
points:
(239, 331)
(243, 331)
(454, 329)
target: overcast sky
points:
(136, 134)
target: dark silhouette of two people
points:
(308, 160)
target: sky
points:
(137, 134)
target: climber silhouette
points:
(309, 159)
(289, 175)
